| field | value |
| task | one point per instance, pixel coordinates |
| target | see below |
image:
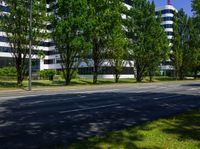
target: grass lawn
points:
(179, 132)
(6, 84)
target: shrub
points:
(8, 71)
(47, 74)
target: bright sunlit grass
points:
(180, 132)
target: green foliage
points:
(148, 45)
(196, 7)
(117, 42)
(69, 24)
(8, 71)
(185, 46)
(16, 26)
(102, 18)
(41, 54)
(47, 74)
(195, 42)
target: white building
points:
(167, 13)
(52, 58)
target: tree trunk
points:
(96, 61)
(19, 79)
(95, 77)
(138, 75)
(67, 77)
(177, 74)
(195, 74)
(116, 78)
(139, 79)
(181, 76)
(150, 76)
(19, 67)
(95, 72)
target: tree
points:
(147, 40)
(180, 47)
(47, 74)
(69, 25)
(15, 24)
(176, 56)
(117, 42)
(157, 44)
(117, 51)
(193, 43)
(194, 27)
(196, 7)
(100, 18)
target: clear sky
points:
(185, 4)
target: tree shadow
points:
(49, 121)
(193, 85)
(187, 127)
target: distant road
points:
(52, 117)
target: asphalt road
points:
(52, 117)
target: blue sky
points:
(185, 4)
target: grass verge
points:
(5, 84)
(179, 132)
(46, 83)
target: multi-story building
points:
(6, 56)
(52, 58)
(167, 13)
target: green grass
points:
(6, 84)
(46, 83)
(179, 132)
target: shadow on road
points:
(193, 85)
(50, 121)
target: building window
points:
(167, 18)
(168, 26)
(170, 33)
(49, 61)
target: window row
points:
(42, 43)
(35, 52)
(103, 70)
(168, 25)
(165, 11)
(168, 18)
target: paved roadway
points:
(52, 117)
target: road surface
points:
(48, 118)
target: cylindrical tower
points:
(169, 2)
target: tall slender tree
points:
(117, 51)
(101, 17)
(69, 25)
(195, 35)
(180, 48)
(117, 42)
(147, 40)
(194, 47)
(157, 44)
(15, 24)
